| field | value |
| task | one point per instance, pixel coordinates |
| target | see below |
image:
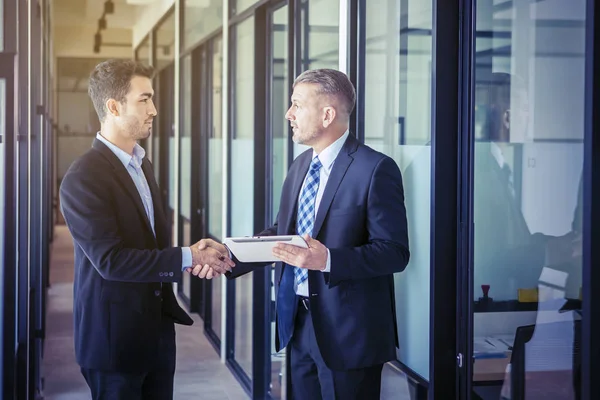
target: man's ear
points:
(329, 116)
(113, 107)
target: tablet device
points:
(259, 248)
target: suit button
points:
(157, 293)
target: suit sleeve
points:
(88, 211)
(386, 251)
(242, 268)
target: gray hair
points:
(331, 82)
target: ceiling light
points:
(109, 7)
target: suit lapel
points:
(340, 167)
(124, 178)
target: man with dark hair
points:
(124, 307)
(335, 300)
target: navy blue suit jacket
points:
(120, 266)
(362, 220)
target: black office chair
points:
(524, 335)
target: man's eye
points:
(145, 101)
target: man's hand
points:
(314, 257)
(203, 272)
(215, 255)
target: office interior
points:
(491, 109)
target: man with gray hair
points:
(335, 300)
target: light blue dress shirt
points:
(133, 165)
(327, 158)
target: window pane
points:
(242, 182)
(1, 26)
(397, 123)
(165, 42)
(320, 39)
(143, 52)
(280, 140)
(240, 6)
(215, 174)
(201, 17)
(2, 169)
(529, 109)
(186, 139)
(215, 146)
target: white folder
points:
(259, 248)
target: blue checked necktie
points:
(306, 210)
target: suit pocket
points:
(352, 210)
(124, 298)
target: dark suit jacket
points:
(362, 220)
(120, 267)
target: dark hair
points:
(331, 82)
(111, 79)
(496, 102)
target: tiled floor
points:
(199, 375)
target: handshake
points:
(210, 259)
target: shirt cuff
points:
(328, 265)
(186, 258)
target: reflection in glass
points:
(319, 24)
(185, 134)
(201, 18)
(165, 42)
(397, 123)
(143, 53)
(242, 181)
(240, 6)
(215, 145)
(279, 146)
(1, 26)
(2, 160)
(215, 173)
(527, 197)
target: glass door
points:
(526, 189)
(215, 179)
(278, 145)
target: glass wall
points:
(2, 26)
(527, 198)
(215, 173)
(2, 183)
(201, 17)
(165, 42)
(242, 180)
(279, 100)
(239, 6)
(185, 151)
(319, 39)
(143, 52)
(398, 123)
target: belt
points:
(305, 302)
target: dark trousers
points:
(313, 380)
(154, 384)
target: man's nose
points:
(152, 111)
(288, 115)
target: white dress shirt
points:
(133, 165)
(327, 158)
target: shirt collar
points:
(138, 152)
(330, 153)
